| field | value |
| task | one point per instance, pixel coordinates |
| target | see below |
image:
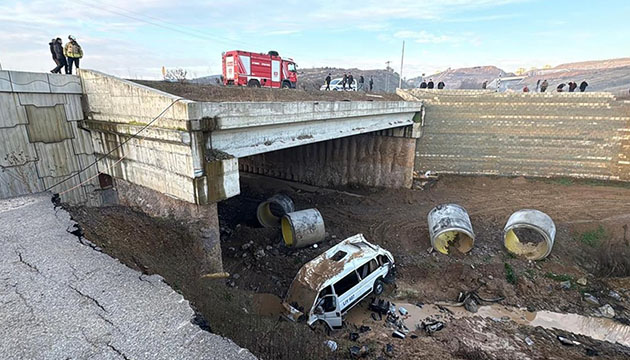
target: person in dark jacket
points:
(544, 85)
(484, 85)
(361, 82)
(344, 81)
(350, 81)
(583, 86)
(572, 86)
(430, 84)
(327, 81)
(441, 85)
(560, 87)
(371, 83)
(56, 49)
(423, 85)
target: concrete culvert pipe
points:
(270, 211)
(529, 233)
(303, 228)
(449, 226)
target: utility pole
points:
(387, 75)
(402, 57)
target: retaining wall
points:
(369, 160)
(584, 135)
(41, 142)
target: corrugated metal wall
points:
(40, 140)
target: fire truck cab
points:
(244, 68)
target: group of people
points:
(347, 80)
(431, 84)
(65, 56)
(571, 86)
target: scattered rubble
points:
(607, 311)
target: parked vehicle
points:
(244, 68)
(337, 85)
(327, 287)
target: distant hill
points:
(207, 80)
(313, 78)
(596, 64)
(463, 78)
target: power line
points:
(163, 24)
(116, 148)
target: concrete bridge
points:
(192, 152)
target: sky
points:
(134, 39)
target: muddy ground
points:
(591, 244)
(213, 93)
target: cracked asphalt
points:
(60, 298)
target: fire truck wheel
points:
(253, 83)
(286, 85)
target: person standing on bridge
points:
(350, 81)
(344, 81)
(430, 85)
(441, 85)
(361, 82)
(544, 85)
(371, 83)
(327, 81)
(484, 85)
(56, 49)
(583, 86)
(572, 86)
(73, 52)
(423, 84)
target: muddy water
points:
(593, 327)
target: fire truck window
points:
(291, 67)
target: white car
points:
(337, 85)
(327, 287)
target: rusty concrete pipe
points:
(529, 233)
(303, 228)
(270, 211)
(449, 226)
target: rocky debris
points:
(529, 341)
(332, 345)
(389, 350)
(431, 327)
(582, 281)
(566, 285)
(398, 334)
(353, 336)
(615, 295)
(364, 329)
(591, 299)
(357, 352)
(607, 311)
(471, 300)
(568, 342)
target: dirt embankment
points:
(589, 217)
(243, 94)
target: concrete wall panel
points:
(48, 124)
(550, 134)
(74, 109)
(19, 180)
(56, 159)
(29, 82)
(5, 81)
(41, 100)
(15, 148)
(11, 113)
(65, 84)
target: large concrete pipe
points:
(270, 211)
(529, 233)
(303, 228)
(449, 226)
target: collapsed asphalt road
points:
(63, 299)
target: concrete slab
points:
(64, 84)
(56, 159)
(63, 299)
(29, 82)
(41, 100)
(11, 113)
(15, 149)
(74, 111)
(19, 180)
(5, 81)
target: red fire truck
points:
(255, 70)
